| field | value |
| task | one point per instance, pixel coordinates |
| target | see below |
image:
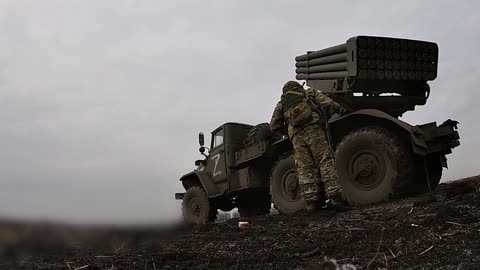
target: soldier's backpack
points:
(297, 109)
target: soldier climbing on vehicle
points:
(305, 113)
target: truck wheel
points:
(284, 187)
(372, 166)
(196, 207)
(254, 204)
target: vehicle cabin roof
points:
(232, 124)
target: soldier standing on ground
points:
(306, 129)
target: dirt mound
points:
(434, 231)
(461, 187)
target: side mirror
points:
(201, 149)
(200, 162)
(201, 139)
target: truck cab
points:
(225, 178)
(220, 162)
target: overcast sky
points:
(101, 101)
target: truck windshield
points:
(217, 138)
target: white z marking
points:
(216, 158)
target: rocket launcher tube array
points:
(373, 58)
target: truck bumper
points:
(179, 196)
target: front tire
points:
(196, 207)
(284, 187)
(372, 166)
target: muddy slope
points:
(436, 231)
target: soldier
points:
(306, 130)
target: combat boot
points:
(315, 206)
(337, 203)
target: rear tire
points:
(373, 165)
(284, 187)
(196, 207)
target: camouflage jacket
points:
(279, 123)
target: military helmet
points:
(292, 85)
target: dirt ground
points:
(436, 231)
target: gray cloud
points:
(101, 101)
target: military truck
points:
(377, 156)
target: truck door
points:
(217, 157)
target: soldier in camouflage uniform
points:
(316, 171)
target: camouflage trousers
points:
(316, 171)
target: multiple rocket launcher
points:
(371, 58)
